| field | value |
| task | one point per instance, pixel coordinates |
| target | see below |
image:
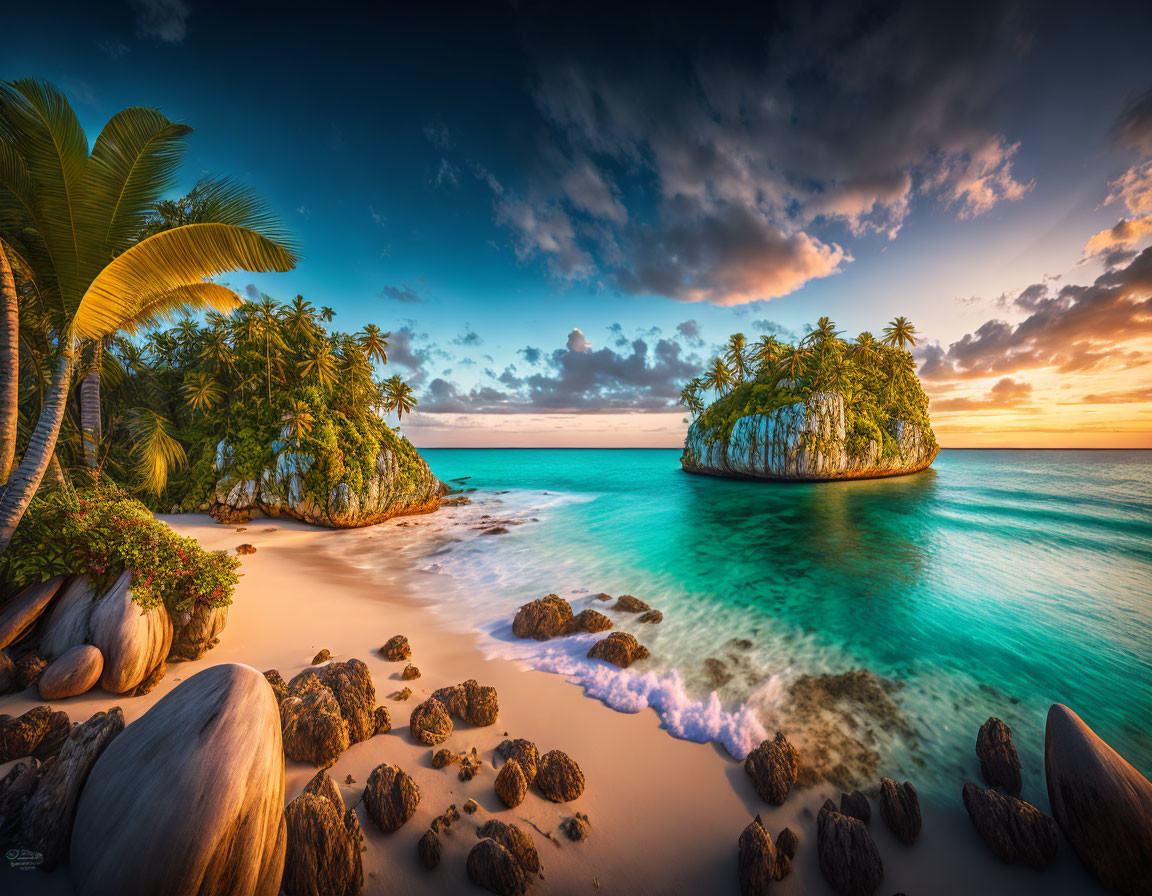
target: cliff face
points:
(802, 441)
(293, 483)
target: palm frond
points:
(174, 303)
(155, 452)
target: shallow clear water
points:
(996, 583)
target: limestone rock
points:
(75, 672)
(491, 866)
(848, 857)
(511, 785)
(396, 649)
(314, 729)
(900, 809)
(430, 723)
(591, 621)
(323, 844)
(1014, 830)
(856, 805)
(22, 613)
(626, 603)
(620, 649)
(577, 827)
(133, 641)
(1102, 804)
(525, 753)
(548, 617)
(773, 767)
(999, 763)
(391, 797)
(757, 859)
(428, 849)
(67, 623)
(47, 817)
(559, 778)
(212, 743)
(513, 839)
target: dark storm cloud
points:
(689, 331)
(1133, 126)
(1077, 328)
(402, 293)
(707, 163)
(413, 350)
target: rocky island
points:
(824, 409)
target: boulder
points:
(150, 681)
(391, 797)
(133, 641)
(591, 621)
(22, 736)
(323, 843)
(652, 617)
(525, 753)
(511, 784)
(190, 798)
(396, 649)
(1102, 804)
(351, 684)
(75, 672)
(900, 809)
(28, 670)
(197, 631)
(491, 866)
(577, 827)
(856, 805)
(513, 839)
(428, 849)
(16, 788)
(314, 729)
(482, 706)
(757, 859)
(67, 624)
(999, 763)
(1014, 830)
(620, 649)
(626, 603)
(23, 611)
(786, 846)
(47, 817)
(773, 767)
(430, 723)
(7, 674)
(559, 778)
(848, 857)
(322, 657)
(410, 673)
(548, 617)
(381, 721)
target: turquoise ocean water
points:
(996, 583)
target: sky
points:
(561, 210)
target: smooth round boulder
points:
(133, 641)
(24, 609)
(67, 624)
(189, 799)
(75, 672)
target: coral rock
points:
(773, 767)
(511, 784)
(900, 809)
(999, 763)
(391, 797)
(1014, 830)
(75, 672)
(559, 778)
(620, 649)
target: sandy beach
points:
(665, 814)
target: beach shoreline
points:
(665, 814)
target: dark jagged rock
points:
(626, 603)
(1014, 830)
(16, 788)
(470, 702)
(428, 849)
(20, 736)
(856, 805)
(524, 752)
(430, 723)
(577, 827)
(444, 758)
(323, 843)
(900, 809)
(410, 673)
(29, 668)
(999, 763)
(1102, 804)
(786, 846)
(470, 765)
(591, 621)
(7, 674)
(279, 686)
(511, 784)
(513, 839)
(55, 734)
(391, 797)
(848, 857)
(314, 729)
(773, 767)
(396, 649)
(559, 778)
(548, 617)
(757, 859)
(46, 822)
(322, 657)
(620, 649)
(491, 866)
(381, 721)
(652, 617)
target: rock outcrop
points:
(1102, 804)
(323, 843)
(559, 778)
(773, 767)
(543, 619)
(75, 672)
(391, 797)
(189, 799)
(67, 624)
(133, 641)
(1014, 830)
(470, 702)
(900, 809)
(756, 857)
(328, 708)
(856, 805)
(430, 723)
(802, 441)
(294, 484)
(999, 762)
(848, 857)
(620, 649)
(21, 614)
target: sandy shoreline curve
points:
(665, 814)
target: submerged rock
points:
(999, 763)
(543, 619)
(773, 767)
(626, 603)
(652, 617)
(391, 797)
(1102, 804)
(323, 843)
(848, 857)
(900, 809)
(620, 649)
(75, 672)
(591, 621)
(559, 778)
(1014, 830)
(757, 859)
(25, 608)
(133, 641)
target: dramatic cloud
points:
(689, 331)
(403, 293)
(1134, 189)
(413, 350)
(1125, 233)
(577, 342)
(1006, 394)
(165, 20)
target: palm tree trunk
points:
(9, 367)
(41, 449)
(90, 407)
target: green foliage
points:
(101, 530)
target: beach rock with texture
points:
(7, 674)
(620, 649)
(491, 866)
(1014, 830)
(900, 809)
(543, 619)
(76, 672)
(351, 683)
(511, 784)
(47, 817)
(848, 858)
(212, 743)
(314, 729)
(276, 681)
(16, 788)
(196, 631)
(28, 670)
(513, 839)
(626, 603)
(391, 797)
(576, 827)
(410, 673)
(525, 753)
(381, 721)
(23, 611)
(999, 763)
(652, 617)
(396, 649)
(773, 767)
(67, 624)
(430, 723)
(856, 805)
(559, 778)
(428, 849)
(786, 845)
(591, 621)
(322, 657)
(756, 857)
(21, 736)
(322, 857)
(133, 641)
(1102, 804)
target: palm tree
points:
(736, 357)
(398, 396)
(864, 351)
(690, 396)
(823, 332)
(326, 314)
(792, 364)
(900, 333)
(298, 421)
(300, 318)
(9, 366)
(374, 343)
(202, 392)
(765, 352)
(321, 365)
(719, 377)
(70, 218)
(154, 450)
